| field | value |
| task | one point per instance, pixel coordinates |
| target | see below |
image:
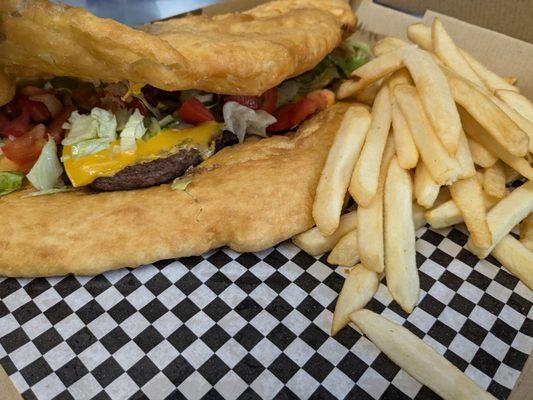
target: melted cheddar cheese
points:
(84, 170)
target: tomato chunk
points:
(270, 98)
(293, 114)
(193, 111)
(17, 126)
(23, 150)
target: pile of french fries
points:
(433, 136)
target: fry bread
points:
(258, 48)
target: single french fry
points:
(448, 214)
(364, 180)
(421, 35)
(370, 239)
(464, 158)
(516, 258)
(315, 244)
(480, 154)
(526, 232)
(417, 358)
(510, 174)
(443, 168)
(368, 94)
(501, 128)
(494, 181)
(371, 72)
(517, 101)
(425, 188)
(345, 252)
(468, 196)
(7, 88)
(388, 44)
(400, 77)
(435, 96)
(525, 124)
(403, 139)
(473, 129)
(338, 169)
(449, 53)
(400, 255)
(418, 216)
(358, 288)
(504, 216)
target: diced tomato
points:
(137, 104)
(38, 111)
(4, 121)
(270, 98)
(17, 126)
(55, 128)
(252, 102)
(23, 150)
(294, 114)
(283, 116)
(193, 111)
(31, 91)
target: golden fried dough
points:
(248, 197)
(240, 53)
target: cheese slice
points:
(84, 170)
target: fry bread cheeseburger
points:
(121, 146)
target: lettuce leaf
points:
(80, 127)
(10, 181)
(133, 130)
(241, 120)
(47, 171)
(89, 146)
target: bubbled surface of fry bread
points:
(239, 53)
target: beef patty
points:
(159, 171)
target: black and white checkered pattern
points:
(250, 326)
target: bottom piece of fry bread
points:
(357, 290)
(417, 358)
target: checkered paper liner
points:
(251, 326)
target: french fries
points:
(476, 131)
(370, 239)
(480, 154)
(400, 255)
(364, 180)
(345, 253)
(526, 232)
(468, 196)
(435, 95)
(425, 188)
(494, 181)
(524, 124)
(517, 101)
(315, 244)
(388, 44)
(443, 168)
(516, 258)
(358, 288)
(421, 35)
(448, 214)
(501, 128)
(338, 169)
(419, 360)
(371, 72)
(403, 139)
(419, 218)
(464, 157)
(504, 216)
(448, 52)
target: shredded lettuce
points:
(49, 191)
(106, 122)
(241, 120)
(169, 119)
(181, 182)
(47, 171)
(153, 129)
(80, 127)
(89, 146)
(321, 76)
(202, 97)
(133, 130)
(350, 56)
(287, 92)
(10, 181)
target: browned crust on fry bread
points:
(249, 197)
(240, 53)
